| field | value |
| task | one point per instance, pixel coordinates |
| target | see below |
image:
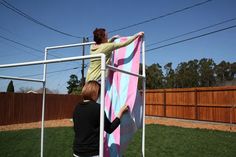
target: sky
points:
(22, 40)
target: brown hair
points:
(91, 90)
(98, 35)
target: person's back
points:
(86, 127)
(94, 69)
(105, 46)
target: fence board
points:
(216, 104)
(23, 108)
(207, 103)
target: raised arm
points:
(113, 38)
(130, 40)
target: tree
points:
(233, 70)
(223, 72)
(10, 87)
(187, 74)
(192, 73)
(181, 75)
(169, 76)
(154, 76)
(207, 72)
(74, 85)
(140, 81)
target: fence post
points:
(231, 116)
(196, 102)
(164, 101)
(13, 113)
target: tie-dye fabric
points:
(121, 89)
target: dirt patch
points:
(47, 124)
(191, 124)
(149, 120)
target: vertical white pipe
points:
(144, 96)
(103, 70)
(43, 103)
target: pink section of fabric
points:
(120, 53)
(132, 88)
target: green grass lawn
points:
(161, 141)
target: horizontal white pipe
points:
(69, 46)
(123, 71)
(20, 78)
(51, 61)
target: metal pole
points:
(50, 61)
(123, 71)
(82, 69)
(20, 78)
(103, 70)
(144, 96)
(43, 103)
(69, 46)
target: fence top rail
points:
(40, 93)
(53, 61)
(69, 45)
(222, 88)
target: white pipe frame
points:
(43, 103)
(20, 78)
(103, 70)
(123, 71)
(144, 95)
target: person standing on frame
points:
(105, 46)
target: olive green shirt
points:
(94, 70)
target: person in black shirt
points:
(86, 118)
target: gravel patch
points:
(149, 120)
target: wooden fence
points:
(22, 108)
(217, 104)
